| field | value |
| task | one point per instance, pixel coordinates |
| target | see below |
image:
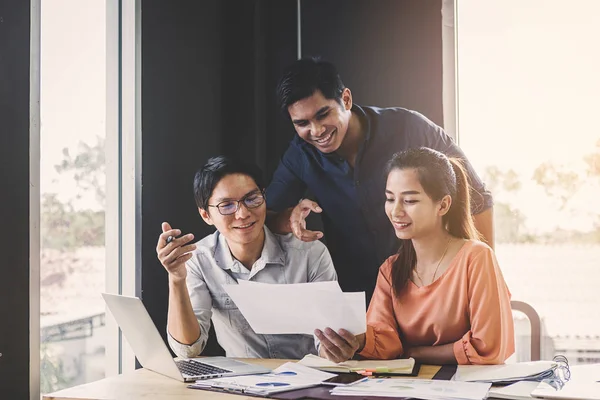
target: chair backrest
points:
(536, 327)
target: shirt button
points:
(357, 183)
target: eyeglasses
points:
(251, 200)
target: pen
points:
(170, 239)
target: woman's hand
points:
(339, 346)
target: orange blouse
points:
(468, 305)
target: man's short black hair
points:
(215, 169)
(304, 77)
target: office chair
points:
(536, 327)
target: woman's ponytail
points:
(459, 220)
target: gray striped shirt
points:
(284, 259)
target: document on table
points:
(531, 370)
(398, 367)
(415, 388)
(299, 307)
(516, 391)
(289, 376)
(584, 385)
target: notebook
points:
(570, 391)
(380, 367)
(557, 370)
(583, 385)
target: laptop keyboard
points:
(196, 368)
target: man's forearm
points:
(484, 222)
(181, 321)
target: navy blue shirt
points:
(357, 231)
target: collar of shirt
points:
(272, 253)
(365, 122)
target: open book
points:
(404, 366)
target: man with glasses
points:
(230, 195)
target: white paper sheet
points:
(415, 388)
(517, 391)
(299, 307)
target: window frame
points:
(123, 169)
(34, 198)
(123, 177)
(450, 68)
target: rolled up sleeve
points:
(202, 307)
(491, 337)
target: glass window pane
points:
(73, 76)
(529, 91)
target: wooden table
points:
(145, 384)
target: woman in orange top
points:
(442, 299)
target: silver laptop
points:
(153, 354)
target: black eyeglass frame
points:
(259, 193)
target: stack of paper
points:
(415, 388)
(299, 307)
(399, 367)
(506, 373)
(289, 376)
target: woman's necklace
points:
(438, 265)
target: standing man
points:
(339, 155)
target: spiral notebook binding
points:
(559, 375)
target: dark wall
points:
(181, 99)
(260, 41)
(14, 201)
(388, 52)
(207, 81)
(209, 71)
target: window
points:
(73, 192)
(528, 93)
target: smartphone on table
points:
(343, 379)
